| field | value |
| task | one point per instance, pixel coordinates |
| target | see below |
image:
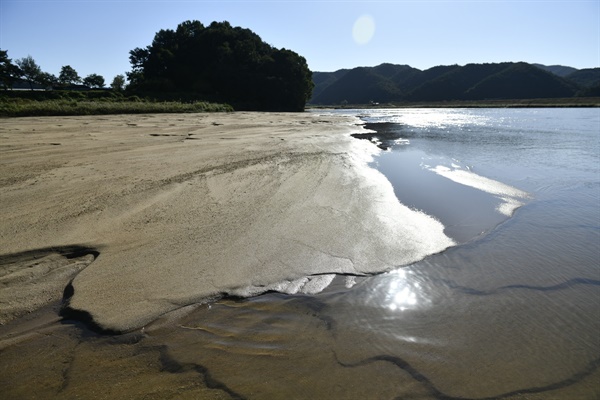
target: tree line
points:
(216, 63)
(221, 63)
(26, 69)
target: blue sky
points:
(95, 36)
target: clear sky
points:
(95, 36)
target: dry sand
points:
(151, 213)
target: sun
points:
(363, 29)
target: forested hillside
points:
(389, 82)
(559, 70)
(589, 77)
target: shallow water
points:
(513, 311)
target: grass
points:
(73, 104)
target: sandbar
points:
(146, 214)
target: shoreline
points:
(186, 207)
(584, 102)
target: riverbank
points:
(503, 103)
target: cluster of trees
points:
(221, 63)
(217, 63)
(26, 69)
(396, 83)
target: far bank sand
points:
(180, 208)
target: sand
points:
(150, 213)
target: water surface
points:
(512, 311)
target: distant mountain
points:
(454, 84)
(359, 85)
(323, 79)
(559, 70)
(522, 81)
(586, 78)
(390, 82)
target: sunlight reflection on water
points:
(428, 118)
(402, 294)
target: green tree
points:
(68, 76)
(221, 63)
(9, 72)
(29, 70)
(118, 82)
(137, 58)
(48, 79)
(295, 82)
(94, 81)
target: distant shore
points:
(516, 103)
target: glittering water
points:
(512, 312)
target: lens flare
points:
(363, 29)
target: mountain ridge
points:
(488, 81)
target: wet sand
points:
(129, 218)
(152, 213)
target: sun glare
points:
(363, 29)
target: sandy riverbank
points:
(150, 213)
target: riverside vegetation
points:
(61, 103)
(190, 69)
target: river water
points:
(511, 311)
(516, 307)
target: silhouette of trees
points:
(94, 81)
(9, 72)
(48, 79)
(68, 76)
(221, 63)
(30, 71)
(118, 83)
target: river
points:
(511, 311)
